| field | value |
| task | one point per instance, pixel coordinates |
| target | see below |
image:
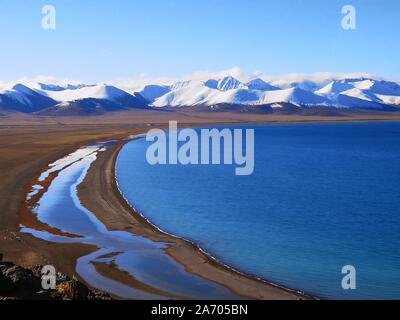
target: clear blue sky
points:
(102, 40)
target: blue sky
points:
(103, 40)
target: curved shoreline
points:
(195, 245)
(103, 185)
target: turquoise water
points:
(321, 196)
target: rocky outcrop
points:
(17, 282)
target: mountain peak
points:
(202, 90)
(18, 87)
(259, 84)
(229, 83)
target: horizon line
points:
(235, 72)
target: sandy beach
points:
(28, 145)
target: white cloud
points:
(43, 79)
(138, 82)
(319, 77)
(57, 81)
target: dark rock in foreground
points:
(26, 283)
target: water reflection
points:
(143, 259)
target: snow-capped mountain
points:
(225, 84)
(343, 93)
(259, 84)
(53, 99)
(93, 99)
(296, 96)
(334, 88)
(94, 92)
(232, 87)
(21, 98)
(372, 93)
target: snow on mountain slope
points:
(338, 90)
(203, 95)
(307, 85)
(334, 88)
(18, 92)
(102, 91)
(390, 100)
(313, 81)
(22, 98)
(259, 84)
(184, 84)
(378, 86)
(185, 96)
(364, 84)
(369, 90)
(229, 83)
(235, 96)
(349, 101)
(196, 92)
(360, 94)
(94, 99)
(295, 96)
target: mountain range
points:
(210, 93)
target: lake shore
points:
(29, 144)
(100, 194)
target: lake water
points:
(144, 260)
(322, 196)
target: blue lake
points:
(321, 196)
